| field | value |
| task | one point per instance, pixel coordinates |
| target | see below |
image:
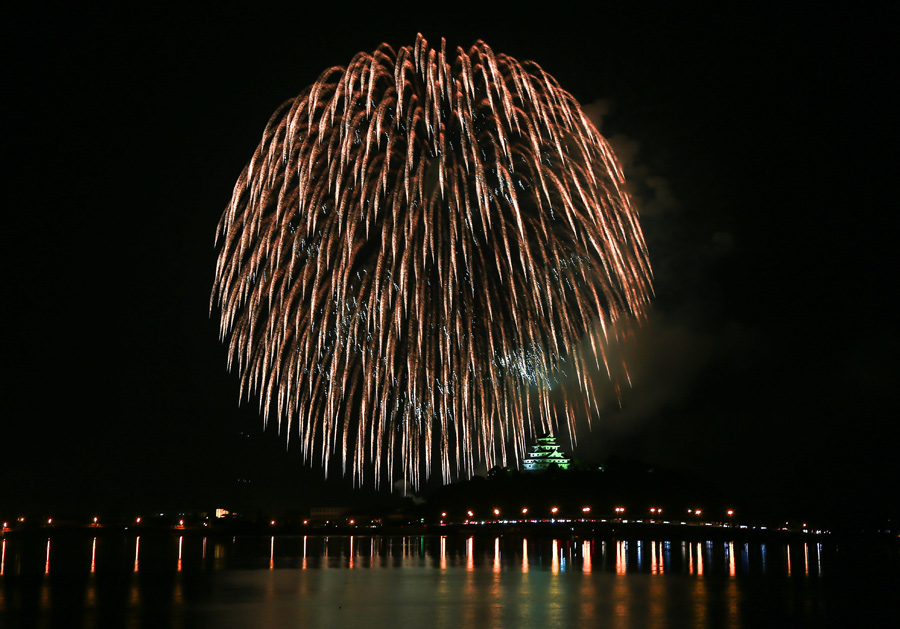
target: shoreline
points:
(657, 531)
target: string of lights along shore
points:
(423, 246)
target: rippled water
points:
(191, 581)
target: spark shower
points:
(425, 261)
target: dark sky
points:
(760, 145)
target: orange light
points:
(138, 520)
(352, 521)
(586, 510)
(49, 520)
(443, 514)
(554, 509)
(698, 512)
(272, 522)
(180, 522)
(470, 513)
(305, 522)
(95, 519)
(525, 510)
(730, 512)
(496, 511)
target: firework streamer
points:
(420, 247)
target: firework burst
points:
(420, 246)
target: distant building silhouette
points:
(544, 453)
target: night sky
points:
(758, 145)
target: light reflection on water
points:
(350, 552)
(379, 581)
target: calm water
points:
(193, 581)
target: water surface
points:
(438, 581)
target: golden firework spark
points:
(418, 247)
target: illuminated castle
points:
(544, 453)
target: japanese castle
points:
(544, 453)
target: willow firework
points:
(420, 246)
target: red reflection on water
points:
(443, 552)
(47, 565)
(137, 549)
(699, 559)
(586, 553)
(788, 551)
(731, 567)
(3, 558)
(690, 554)
(806, 558)
(94, 554)
(180, 541)
(350, 561)
(496, 554)
(621, 562)
(303, 566)
(470, 553)
(554, 563)
(524, 555)
(661, 567)
(272, 553)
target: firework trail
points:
(420, 246)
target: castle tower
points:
(544, 453)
